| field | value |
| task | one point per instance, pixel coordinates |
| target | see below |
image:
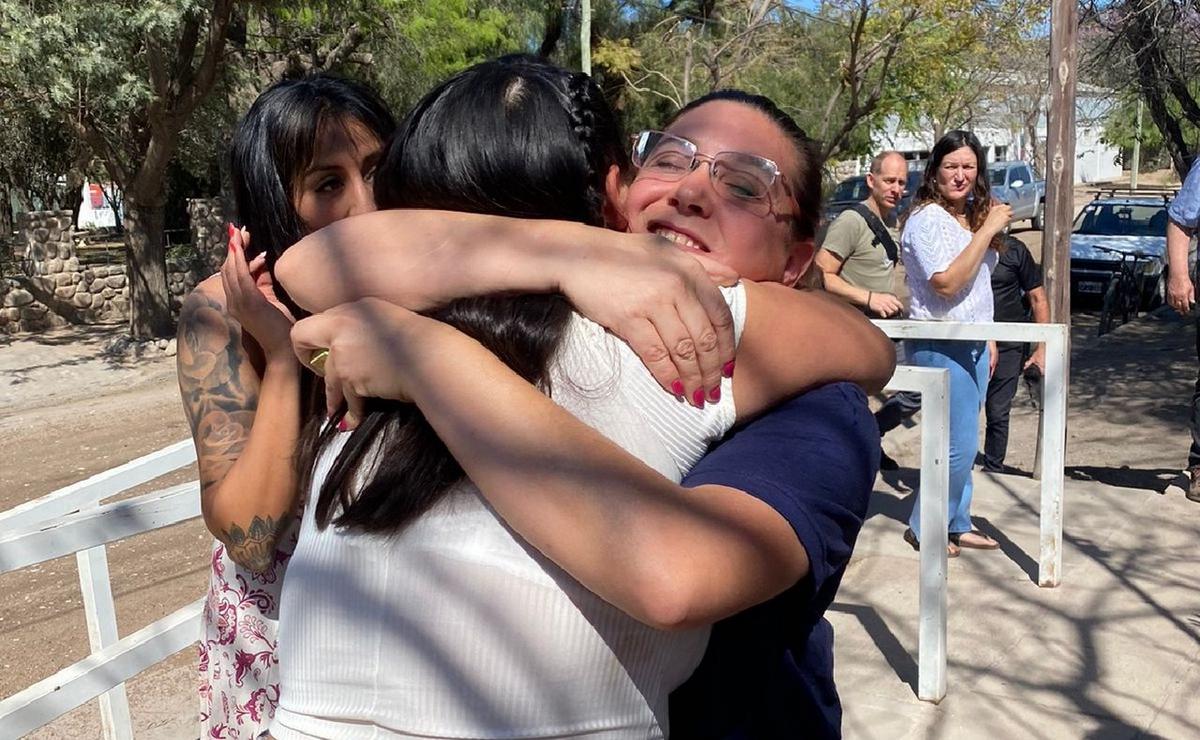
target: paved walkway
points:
(1111, 653)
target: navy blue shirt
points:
(768, 671)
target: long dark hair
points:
(276, 141)
(514, 136)
(272, 146)
(979, 201)
(806, 180)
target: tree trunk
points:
(75, 180)
(554, 16)
(1035, 155)
(1149, 64)
(146, 270)
(6, 216)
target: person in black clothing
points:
(1017, 291)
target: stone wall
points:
(20, 311)
(207, 219)
(53, 289)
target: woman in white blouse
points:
(949, 246)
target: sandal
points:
(976, 540)
(910, 537)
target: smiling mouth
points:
(678, 238)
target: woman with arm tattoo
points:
(303, 157)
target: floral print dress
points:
(239, 677)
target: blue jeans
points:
(968, 366)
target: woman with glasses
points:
(950, 241)
(731, 182)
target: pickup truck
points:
(1013, 183)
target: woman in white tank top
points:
(428, 616)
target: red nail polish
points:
(727, 369)
(698, 398)
(342, 425)
(715, 394)
(677, 388)
(230, 227)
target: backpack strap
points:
(882, 235)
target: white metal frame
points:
(934, 488)
(72, 520)
(1054, 414)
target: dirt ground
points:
(68, 412)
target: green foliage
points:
(965, 56)
(432, 39)
(1120, 130)
(35, 151)
(840, 67)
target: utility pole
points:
(585, 36)
(1060, 158)
(1137, 149)
(1060, 191)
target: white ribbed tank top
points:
(457, 628)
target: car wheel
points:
(1037, 222)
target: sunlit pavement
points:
(1110, 653)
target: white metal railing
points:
(72, 520)
(934, 489)
(1053, 430)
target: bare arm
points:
(660, 301)
(831, 267)
(1039, 304)
(668, 556)
(1181, 294)
(965, 267)
(245, 429)
(794, 340)
(883, 305)
(421, 259)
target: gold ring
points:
(317, 361)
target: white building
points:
(1095, 161)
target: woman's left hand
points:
(993, 358)
(250, 297)
(368, 343)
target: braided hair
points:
(516, 136)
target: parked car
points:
(1125, 223)
(1014, 183)
(854, 190)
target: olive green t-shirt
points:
(865, 264)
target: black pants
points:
(1000, 393)
(899, 406)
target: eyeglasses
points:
(745, 179)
